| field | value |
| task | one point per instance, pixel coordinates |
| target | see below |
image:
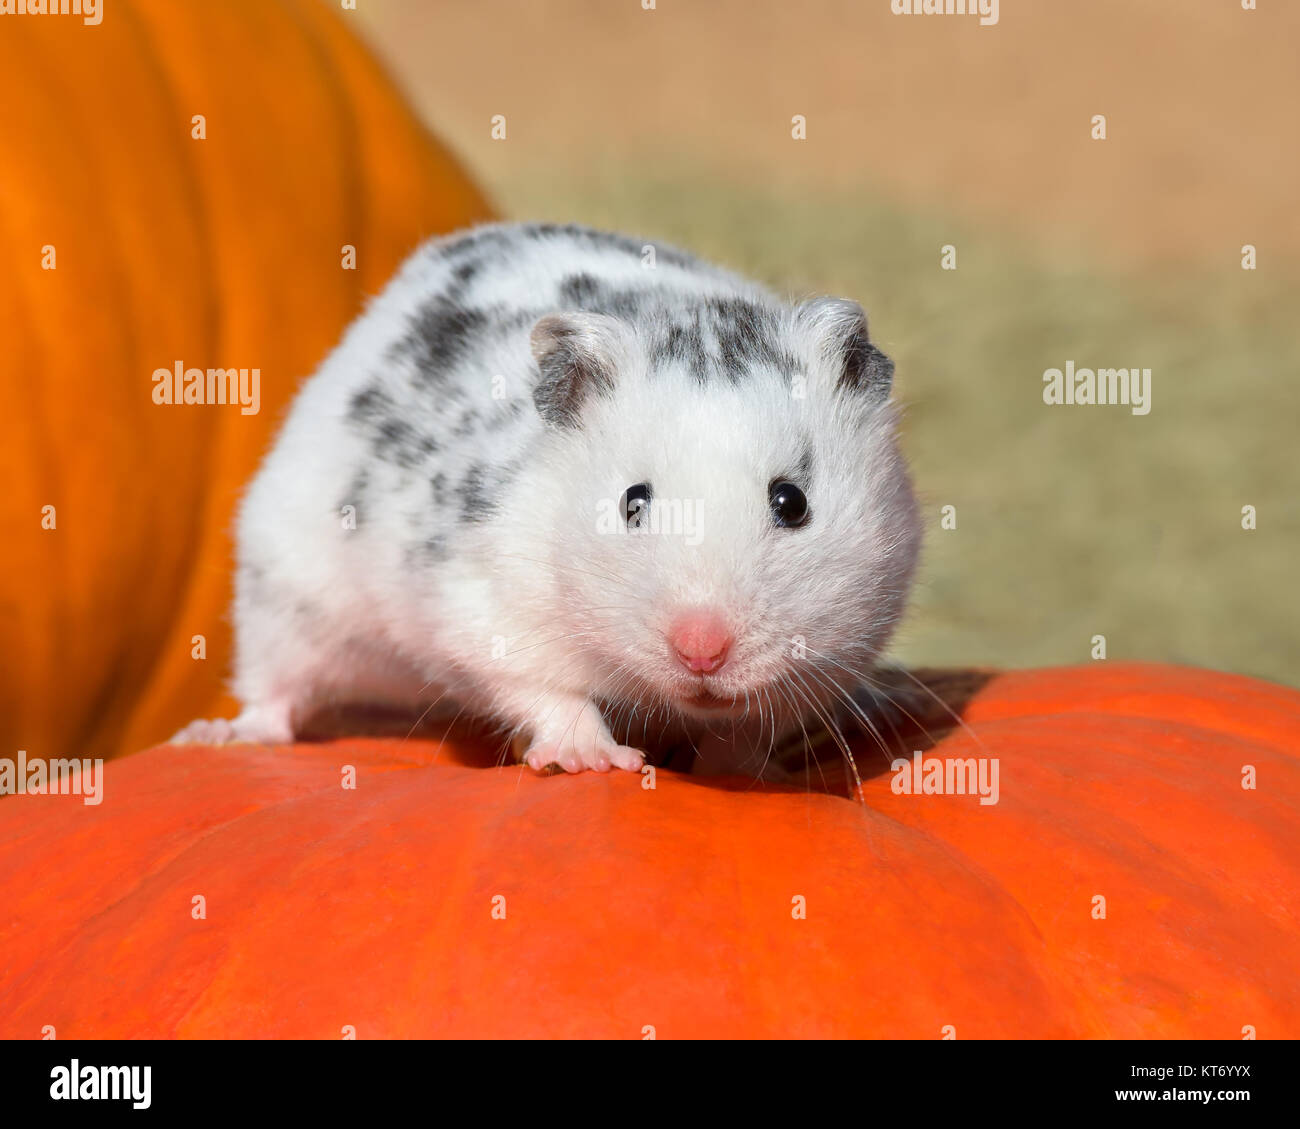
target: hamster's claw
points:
(576, 758)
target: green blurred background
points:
(675, 123)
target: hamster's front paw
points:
(262, 726)
(218, 731)
(573, 757)
(573, 736)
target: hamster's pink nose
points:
(700, 640)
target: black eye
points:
(636, 503)
(789, 506)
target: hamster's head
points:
(735, 527)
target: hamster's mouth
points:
(704, 700)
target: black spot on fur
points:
(477, 242)
(626, 304)
(470, 421)
(370, 404)
(591, 295)
(508, 322)
(461, 277)
(393, 439)
(683, 344)
(398, 442)
(581, 291)
(747, 336)
(434, 548)
(425, 551)
(440, 337)
(476, 501)
(482, 487)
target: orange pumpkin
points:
(444, 896)
(225, 251)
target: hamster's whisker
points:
(771, 745)
(833, 729)
(940, 702)
(840, 694)
(855, 711)
(427, 709)
(864, 677)
(772, 712)
(802, 695)
(785, 687)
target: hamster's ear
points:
(577, 355)
(838, 328)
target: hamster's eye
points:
(788, 503)
(635, 504)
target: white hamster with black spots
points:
(562, 477)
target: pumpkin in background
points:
(221, 252)
(444, 896)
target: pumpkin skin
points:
(672, 907)
(218, 252)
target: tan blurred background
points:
(922, 131)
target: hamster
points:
(581, 486)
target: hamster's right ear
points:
(838, 327)
(577, 355)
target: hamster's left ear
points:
(839, 328)
(577, 355)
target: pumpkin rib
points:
(1170, 718)
(160, 869)
(49, 475)
(190, 551)
(1170, 868)
(1261, 700)
(183, 549)
(102, 712)
(1013, 733)
(1283, 754)
(359, 204)
(960, 858)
